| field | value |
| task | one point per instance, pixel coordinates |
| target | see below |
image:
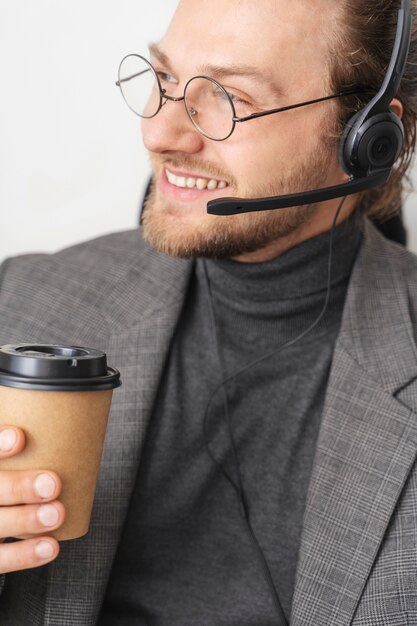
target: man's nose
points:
(171, 130)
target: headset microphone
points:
(370, 145)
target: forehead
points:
(287, 38)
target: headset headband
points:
(395, 71)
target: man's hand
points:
(28, 506)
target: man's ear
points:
(397, 107)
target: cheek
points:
(263, 154)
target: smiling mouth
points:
(195, 183)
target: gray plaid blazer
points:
(358, 556)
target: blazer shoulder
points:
(103, 286)
(387, 272)
(102, 253)
(379, 324)
(391, 257)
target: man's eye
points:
(164, 77)
(242, 106)
(219, 93)
(234, 98)
(238, 101)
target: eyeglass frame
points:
(235, 119)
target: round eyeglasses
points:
(209, 106)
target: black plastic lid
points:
(56, 368)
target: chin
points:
(176, 234)
(179, 229)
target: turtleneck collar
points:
(300, 272)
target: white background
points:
(72, 165)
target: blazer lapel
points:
(367, 443)
(366, 448)
(147, 308)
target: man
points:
(289, 493)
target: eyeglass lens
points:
(207, 102)
(209, 107)
(139, 86)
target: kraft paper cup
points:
(60, 396)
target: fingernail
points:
(44, 550)
(45, 485)
(48, 515)
(8, 438)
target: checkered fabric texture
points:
(358, 557)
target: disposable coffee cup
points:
(60, 397)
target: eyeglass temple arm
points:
(125, 80)
(297, 106)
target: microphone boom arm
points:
(233, 206)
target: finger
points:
(27, 554)
(30, 519)
(26, 487)
(12, 441)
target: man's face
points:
(268, 54)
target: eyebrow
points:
(155, 51)
(220, 72)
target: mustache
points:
(192, 164)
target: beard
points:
(223, 237)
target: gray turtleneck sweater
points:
(185, 557)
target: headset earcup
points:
(345, 147)
(374, 146)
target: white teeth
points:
(191, 182)
(171, 177)
(201, 183)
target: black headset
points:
(370, 145)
